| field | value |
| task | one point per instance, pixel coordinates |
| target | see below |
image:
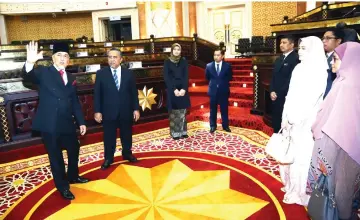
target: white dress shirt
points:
(287, 54)
(30, 66)
(329, 54)
(220, 65)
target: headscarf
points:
(340, 113)
(313, 55)
(308, 83)
(173, 58)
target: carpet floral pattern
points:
(20, 177)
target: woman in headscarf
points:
(177, 80)
(337, 131)
(306, 91)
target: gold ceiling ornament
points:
(146, 98)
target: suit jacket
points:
(331, 75)
(112, 103)
(281, 74)
(219, 84)
(58, 103)
(176, 76)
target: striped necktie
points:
(116, 80)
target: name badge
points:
(285, 64)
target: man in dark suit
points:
(58, 103)
(219, 74)
(116, 104)
(331, 40)
(281, 76)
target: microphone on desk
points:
(349, 12)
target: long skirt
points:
(330, 159)
(294, 176)
(178, 124)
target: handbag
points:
(322, 205)
(279, 148)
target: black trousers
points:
(54, 143)
(223, 101)
(277, 110)
(110, 130)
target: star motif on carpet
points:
(146, 98)
(168, 191)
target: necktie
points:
(218, 69)
(116, 80)
(282, 57)
(62, 75)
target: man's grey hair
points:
(115, 49)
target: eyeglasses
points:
(327, 38)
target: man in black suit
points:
(58, 103)
(219, 74)
(116, 104)
(331, 40)
(281, 76)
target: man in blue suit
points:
(116, 105)
(219, 74)
(58, 103)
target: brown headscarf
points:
(174, 59)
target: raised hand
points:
(32, 54)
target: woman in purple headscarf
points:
(337, 131)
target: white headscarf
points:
(308, 83)
(313, 56)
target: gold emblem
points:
(146, 98)
(170, 190)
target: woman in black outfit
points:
(178, 100)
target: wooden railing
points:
(18, 103)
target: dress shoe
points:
(106, 164)
(79, 180)
(212, 129)
(227, 129)
(176, 138)
(66, 194)
(130, 158)
(185, 136)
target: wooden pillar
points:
(301, 8)
(179, 19)
(142, 19)
(192, 18)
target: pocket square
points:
(74, 83)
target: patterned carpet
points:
(243, 149)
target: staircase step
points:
(198, 82)
(242, 67)
(236, 82)
(244, 103)
(241, 84)
(243, 78)
(244, 61)
(198, 101)
(238, 116)
(242, 72)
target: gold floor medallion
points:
(168, 191)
